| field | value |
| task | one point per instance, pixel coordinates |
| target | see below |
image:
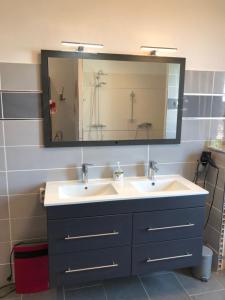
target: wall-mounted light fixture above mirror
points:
(157, 50)
(80, 46)
(108, 99)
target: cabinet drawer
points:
(168, 225)
(87, 266)
(166, 255)
(78, 234)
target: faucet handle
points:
(85, 165)
(152, 164)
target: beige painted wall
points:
(196, 27)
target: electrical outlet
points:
(42, 195)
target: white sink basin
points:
(82, 191)
(162, 185)
(100, 190)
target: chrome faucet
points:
(152, 169)
(85, 172)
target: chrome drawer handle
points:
(68, 237)
(114, 265)
(149, 260)
(171, 227)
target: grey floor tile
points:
(129, 288)
(220, 276)
(11, 296)
(83, 285)
(164, 287)
(195, 286)
(220, 295)
(60, 294)
(48, 295)
(86, 293)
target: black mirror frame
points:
(45, 54)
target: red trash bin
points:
(31, 268)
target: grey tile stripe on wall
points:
(28, 165)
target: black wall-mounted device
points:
(206, 158)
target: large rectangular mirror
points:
(108, 99)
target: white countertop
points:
(124, 190)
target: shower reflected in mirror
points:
(113, 100)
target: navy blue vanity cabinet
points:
(100, 240)
(166, 255)
(84, 266)
(77, 234)
(167, 225)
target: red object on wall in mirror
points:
(52, 105)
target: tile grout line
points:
(106, 296)
(1, 102)
(142, 284)
(64, 294)
(208, 292)
(210, 121)
(7, 185)
(215, 208)
(25, 218)
(212, 227)
(180, 283)
(97, 166)
(212, 185)
(85, 286)
(214, 250)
